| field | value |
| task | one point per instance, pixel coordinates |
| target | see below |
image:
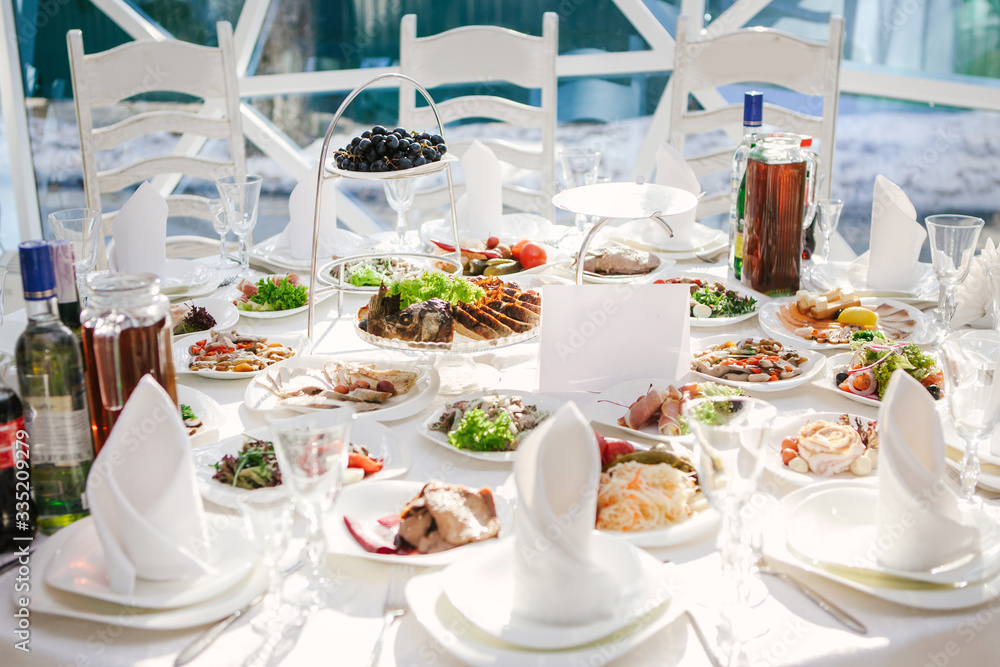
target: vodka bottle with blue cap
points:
(753, 111)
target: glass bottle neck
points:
(42, 309)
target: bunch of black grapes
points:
(380, 149)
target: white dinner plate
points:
(235, 292)
(48, 600)
(205, 408)
(438, 438)
(481, 586)
(185, 275)
(853, 276)
(79, 566)
(589, 277)
(816, 362)
(380, 442)
(828, 380)
(789, 426)
(367, 503)
(258, 397)
(836, 527)
(769, 322)
(514, 227)
(634, 233)
(222, 310)
(432, 609)
(777, 526)
(273, 251)
(182, 356)
(613, 403)
(740, 289)
(701, 523)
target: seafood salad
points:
(236, 352)
(826, 448)
(749, 360)
(337, 383)
(493, 423)
(374, 271)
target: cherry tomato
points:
(532, 255)
(515, 250)
(492, 242)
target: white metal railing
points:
(253, 18)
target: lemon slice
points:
(858, 316)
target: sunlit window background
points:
(943, 154)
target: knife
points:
(199, 645)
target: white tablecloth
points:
(800, 634)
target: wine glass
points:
(220, 223)
(993, 277)
(953, 243)
(729, 441)
(829, 219)
(81, 227)
(972, 389)
(268, 520)
(400, 193)
(240, 198)
(312, 453)
(580, 168)
(3, 283)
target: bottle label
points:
(10, 444)
(60, 434)
(739, 245)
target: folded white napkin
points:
(896, 238)
(918, 522)
(480, 209)
(140, 233)
(298, 233)
(144, 497)
(556, 579)
(974, 299)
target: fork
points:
(395, 606)
(227, 282)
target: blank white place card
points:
(596, 336)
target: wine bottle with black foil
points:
(67, 296)
(54, 393)
(18, 517)
(753, 112)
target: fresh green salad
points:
(254, 467)
(275, 294)
(187, 412)
(876, 358)
(493, 423)
(432, 284)
(713, 414)
(713, 299)
(372, 272)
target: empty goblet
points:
(953, 243)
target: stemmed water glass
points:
(220, 223)
(829, 219)
(268, 519)
(312, 453)
(729, 457)
(953, 243)
(240, 198)
(580, 168)
(400, 193)
(3, 283)
(972, 389)
(81, 227)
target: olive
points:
(935, 391)
(841, 376)
(476, 267)
(502, 267)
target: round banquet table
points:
(800, 633)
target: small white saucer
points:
(78, 566)
(481, 587)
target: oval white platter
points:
(770, 323)
(736, 287)
(223, 311)
(205, 408)
(258, 397)
(234, 292)
(439, 438)
(828, 380)
(183, 357)
(789, 426)
(367, 503)
(380, 442)
(815, 364)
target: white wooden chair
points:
(208, 73)
(484, 55)
(757, 55)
